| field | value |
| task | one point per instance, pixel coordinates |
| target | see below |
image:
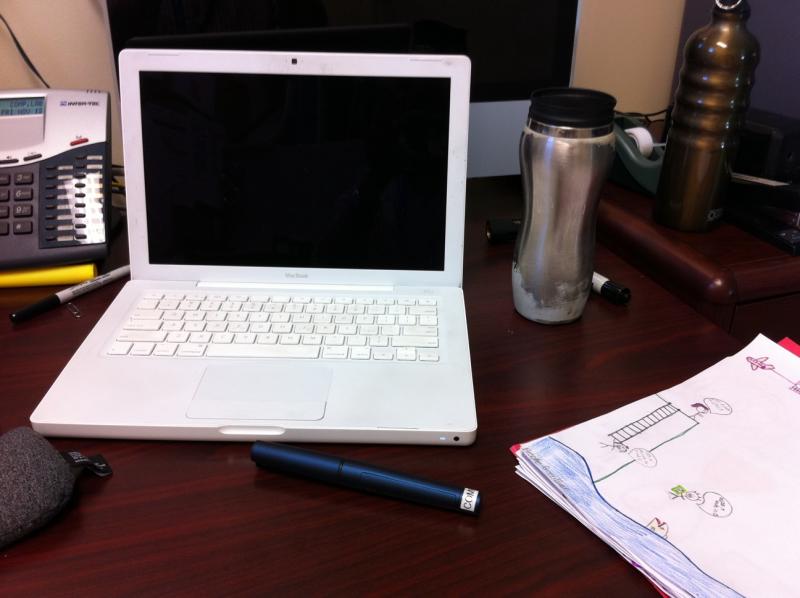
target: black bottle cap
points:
(572, 107)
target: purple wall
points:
(776, 24)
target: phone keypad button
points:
(23, 210)
(23, 178)
(23, 227)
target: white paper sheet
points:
(696, 485)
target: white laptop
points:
(296, 228)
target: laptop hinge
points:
(347, 288)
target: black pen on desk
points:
(68, 294)
(502, 230)
(364, 477)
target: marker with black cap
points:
(616, 293)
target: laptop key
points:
(168, 304)
(141, 336)
(334, 353)
(191, 350)
(360, 353)
(378, 340)
(406, 354)
(390, 330)
(146, 314)
(312, 339)
(420, 331)
(149, 303)
(431, 355)
(177, 337)
(142, 349)
(142, 325)
(334, 339)
(427, 342)
(119, 348)
(165, 349)
(382, 354)
(275, 351)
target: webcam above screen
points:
(515, 47)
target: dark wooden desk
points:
(735, 279)
(199, 518)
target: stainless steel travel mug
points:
(566, 151)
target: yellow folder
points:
(51, 275)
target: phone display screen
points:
(21, 106)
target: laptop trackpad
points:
(261, 392)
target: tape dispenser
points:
(637, 165)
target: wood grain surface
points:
(742, 283)
(191, 518)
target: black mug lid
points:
(572, 107)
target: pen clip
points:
(73, 309)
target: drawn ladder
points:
(642, 424)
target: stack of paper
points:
(697, 485)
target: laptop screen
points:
(301, 171)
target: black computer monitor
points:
(515, 46)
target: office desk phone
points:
(54, 177)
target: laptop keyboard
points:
(195, 324)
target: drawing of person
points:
(710, 406)
(702, 411)
(640, 455)
(712, 503)
(616, 446)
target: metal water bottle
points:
(566, 151)
(710, 103)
